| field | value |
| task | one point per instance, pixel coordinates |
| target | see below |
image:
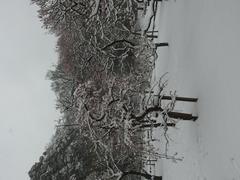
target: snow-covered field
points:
(203, 60)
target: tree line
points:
(103, 71)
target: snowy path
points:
(203, 61)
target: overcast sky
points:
(27, 104)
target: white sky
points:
(27, 104)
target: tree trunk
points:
(183, 116)
(161, 44)
(180, 98)
(156, 125)
(152, 36)
(150, 32)
(147, 176)
(175, 115)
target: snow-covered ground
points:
(203, 61)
